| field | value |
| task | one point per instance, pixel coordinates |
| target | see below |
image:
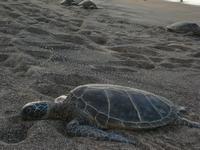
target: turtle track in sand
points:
(12, 133)
(55, 84)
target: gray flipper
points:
(186, 122)
(75, 129)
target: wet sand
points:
(47, 49)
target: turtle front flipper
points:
(75, 129)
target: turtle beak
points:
(34, 111)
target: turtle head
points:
(43, 110)
(36, 110)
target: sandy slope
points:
(47, 49)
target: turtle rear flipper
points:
(185, 122)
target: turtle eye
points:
(28, 110)
(34, 111)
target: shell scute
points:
(112, 122)
(102, 119)
(161, 107)
(145, 107)
(97, 99)
(120, 102)
(80, 103)
(78, 92)
(91, 111)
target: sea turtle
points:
(68, 2)
(89, 110)
(88, 4)
(184, 27)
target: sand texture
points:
(47, 49)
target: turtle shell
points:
(183, 27)
(114, 106)
(88, 4)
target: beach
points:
(190, 2)
(47, 49)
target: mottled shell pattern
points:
(114, 106)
